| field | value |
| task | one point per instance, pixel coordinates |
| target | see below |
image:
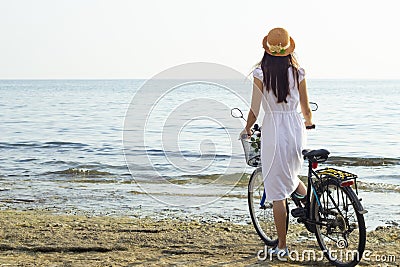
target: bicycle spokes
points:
(261, 210)
(341, 229)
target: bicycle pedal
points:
(265, 206)
(298, 212)
(362, 212)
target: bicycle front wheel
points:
(261, 210)
(340, 231)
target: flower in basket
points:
(255, 143)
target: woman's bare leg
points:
(301, 189)
(279, 208)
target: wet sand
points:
(37, 238)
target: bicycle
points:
(331, 209)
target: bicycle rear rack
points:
(346, 178)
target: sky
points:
(132, 39)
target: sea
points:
(121, 147)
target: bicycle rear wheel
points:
(340, 231)
(261, 210)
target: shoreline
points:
(205, 204)
(39, 238)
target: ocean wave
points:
(80, 172)
(54, 144)
(236, 179)
(378, 187)
(179, 154)
(228, 195)
(359, 161)
(242, 179)
(63, 144)
(333, 160)
(82, 165)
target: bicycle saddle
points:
(316, 155)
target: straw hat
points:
(278, 42)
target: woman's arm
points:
(255, 104)
(304, 103)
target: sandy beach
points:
(38, 238)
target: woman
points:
(280, 85)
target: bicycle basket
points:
(251, 149)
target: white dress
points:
(283, 137)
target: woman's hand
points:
(245, 132)
(309, 125)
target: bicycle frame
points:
(311, 190)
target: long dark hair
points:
(275, 70)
